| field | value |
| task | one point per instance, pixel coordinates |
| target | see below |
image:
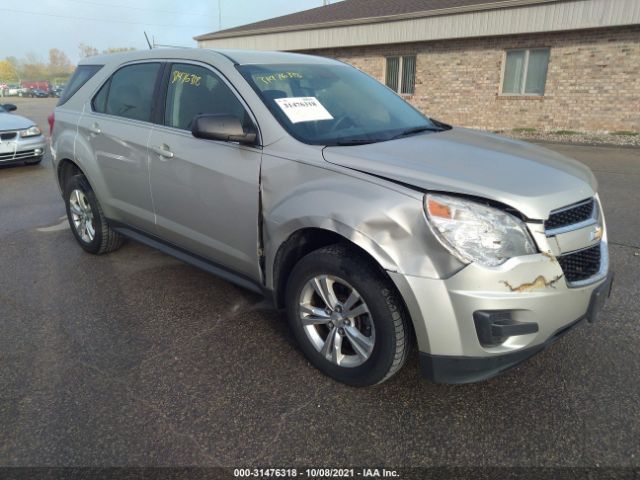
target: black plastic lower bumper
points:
(456, 370)
(21, 161)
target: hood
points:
(527, 177)
(9, 121)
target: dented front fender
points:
(384, 219)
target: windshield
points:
(334, 104)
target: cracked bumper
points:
(532, 289)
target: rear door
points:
(117, 129)
(205, 192)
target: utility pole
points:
(219, 14)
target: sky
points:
(35, 27)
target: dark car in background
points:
(37, 93)
(56, 91)
(33, 93)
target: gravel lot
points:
(135, 359)
(620, 139)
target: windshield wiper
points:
(404, 133)
(414, 130)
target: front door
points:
(206, 193)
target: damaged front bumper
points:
(482, 321)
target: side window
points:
(129, 92)
(195, 90)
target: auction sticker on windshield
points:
(303, 109)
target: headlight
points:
(476, 233)
(30, 132)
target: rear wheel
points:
(347, 317)
(87, 220)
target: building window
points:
(525, 72)
(401, 74)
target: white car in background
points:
(14, 90)
(21, 141)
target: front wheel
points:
(347, 317)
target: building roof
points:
(350, 12)
(365, 23)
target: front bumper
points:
(452, 369)
(21, 149)
(531, 289)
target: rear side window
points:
(129, 92)
(81, 76)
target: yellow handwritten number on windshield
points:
(268, 79)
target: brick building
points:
(542, 64)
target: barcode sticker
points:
(303, 109)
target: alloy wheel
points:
(82, 216)
(337, 321)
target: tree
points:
(32, 68)
(59, 63)
(14, 61)
(87, 51)
(8, 73)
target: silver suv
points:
(304, 179)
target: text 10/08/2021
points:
(315, 473)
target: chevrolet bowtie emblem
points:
(596, 234)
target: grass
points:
(566, 132)
(524, 130)
(625, 133)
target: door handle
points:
(163, 150)
(95, 129)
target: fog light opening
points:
(494, 327)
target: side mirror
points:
(9, 107)
(226, 128)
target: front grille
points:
(571, 215)
(8, 135)
(581, 265)
(18, 155)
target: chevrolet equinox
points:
(372, 225)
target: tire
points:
(384, 329)
(83, 220)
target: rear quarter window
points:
(81, 76)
